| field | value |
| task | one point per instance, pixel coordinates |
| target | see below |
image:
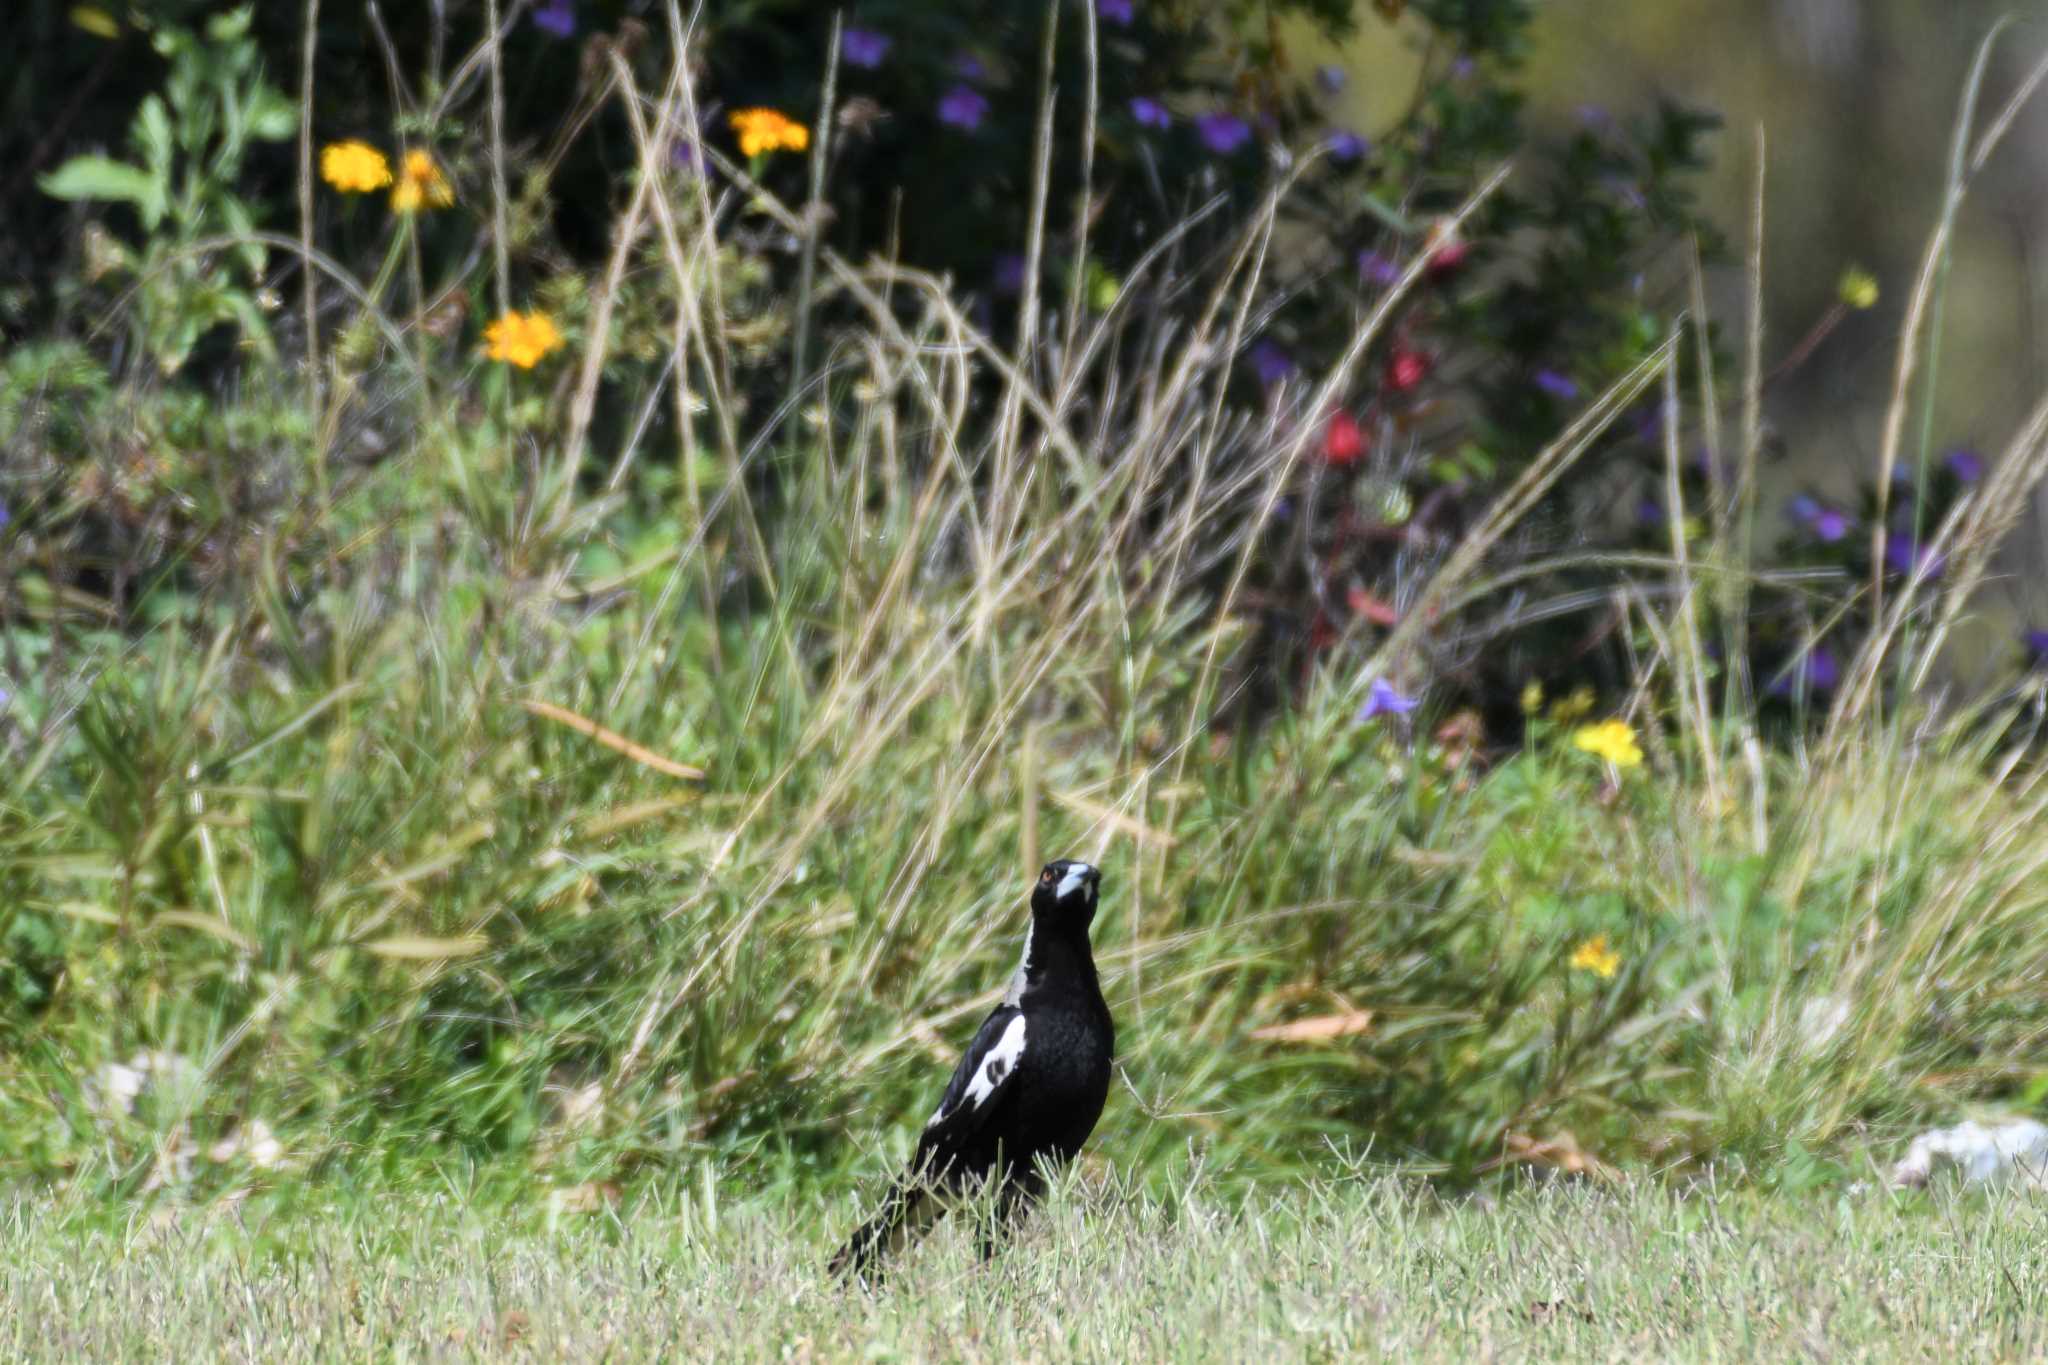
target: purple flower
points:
(1594, 116)
(1558, 385)
(863, 47)
(1378, 269)
(1116, 11)
(1816, 670)
(5, 516)
(968, 67)
(1904, 555)
(1270, 361)
(1008, 273)
(1330, 79)
(1150, 113)
(685, 155)
(963, 107)
(1345, 145)
(1650, 512)
(1965, 464)
(1825, 523)
(1381, 699)
(1463, 68)
(1223, 133)
(557, 17)
(2036, 642)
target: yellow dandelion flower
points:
(521, 338)
(768, 130)
(1858, 288)
(1596, 957)
(1532, 697)
(354, 167)
(1612, 740)
(420, 185)
(1567, 709)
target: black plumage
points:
(1027, 1091)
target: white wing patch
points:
(1001, 1059)
(999, 1062)
(1071, 883)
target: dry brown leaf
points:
(611, 739)
(1319, 1028)
(416, 948)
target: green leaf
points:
(226, 28)
(100, 177)
(272, 117)
(152, 136)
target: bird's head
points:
(1065, 893)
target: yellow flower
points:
(768, 130)
(1532, 697)
(1858, 288)
(420, 185)
(521, 338)
(1596, 957)
(354, 167)
(1611, 740)
(1565, 710)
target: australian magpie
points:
(1030, 1086)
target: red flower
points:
(1406, 368)
(1343, 439)
(1447, 252)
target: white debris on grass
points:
(253, 1141)
(2008, 1150)
(113, 1090)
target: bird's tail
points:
(909, 1209)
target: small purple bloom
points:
(1595, 116)
(963, 107)
(1377, 269)
(1463, 68)
(1271, 363)
(1828, 524)
(685, 155)
(1330, 79)
(968, 67)
(863, 47)
(1008, 274)
(1381, 699)
(1904, 555)
(1223, 133)
(1557, 384)
(1965, 464)
(1116, 11)
(1817, 670)
(557, 17)
(1345, 145)
(5, 516)
(2036, 642)
(1150, 113)
(1649, 511)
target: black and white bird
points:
(1028, 1090)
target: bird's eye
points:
(1046, 875)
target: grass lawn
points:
(1351, 1270)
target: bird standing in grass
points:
(1030, 1086)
